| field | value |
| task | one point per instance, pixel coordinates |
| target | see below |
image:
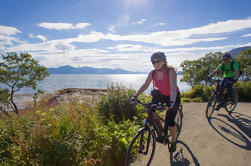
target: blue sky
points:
(122, 33)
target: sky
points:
(122, 33)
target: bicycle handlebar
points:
(150, 105)
(212, 81)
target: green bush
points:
(63, 135)
(202, 92)
(199, 92)
(72, 134)
(116, 104)
(244, 90)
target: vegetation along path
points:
(225, 139)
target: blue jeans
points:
(226, 84)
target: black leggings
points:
(170, 114)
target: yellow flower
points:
(42, 119)
(52, 109)
(43, 114)
(38, 111)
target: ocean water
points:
(99, 81)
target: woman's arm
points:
(146, 84)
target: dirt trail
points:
(225, 140)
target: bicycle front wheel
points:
(141, 149)
(211, 105)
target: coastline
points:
(80, 95)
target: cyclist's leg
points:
(229, 87)
(159, 127)
(220, 99)
(170, 118)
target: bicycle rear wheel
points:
(231, 106)
(211, 105)
(141, 149)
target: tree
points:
(4, 98)
(194, 71)
(19, 71)
(244, 59)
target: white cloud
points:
(161, 23)
(140, 22)
(223, 27)
(127, 47)
(183, 37)
(170, 38)
(41, 37)
(7, 36)
(247, 35)
(111, 28)
(8, 31)
(63, 26)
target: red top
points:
(163, 85)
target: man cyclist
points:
(230, 75)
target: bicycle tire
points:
(179, 121)
(135, 153)
(211, 105)
(231, 107)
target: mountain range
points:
(236, 51)
(88, 70)
(91, 70)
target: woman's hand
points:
(171, 104)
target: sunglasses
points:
(157, 61)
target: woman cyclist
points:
(164, 79)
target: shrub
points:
(244, 90)
(199, 92)
(203, 92)
(71, 134)
(116, 104)
(63, 135)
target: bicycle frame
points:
(151, 126)
(222, 94)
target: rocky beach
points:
(80, 95)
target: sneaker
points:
(160, 139)
(173, 147)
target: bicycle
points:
(217, 95)
(144, 142)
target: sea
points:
(98, 81)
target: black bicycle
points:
(221, 95)
(142, 147)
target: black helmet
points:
(158, 55)
(225, 56)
